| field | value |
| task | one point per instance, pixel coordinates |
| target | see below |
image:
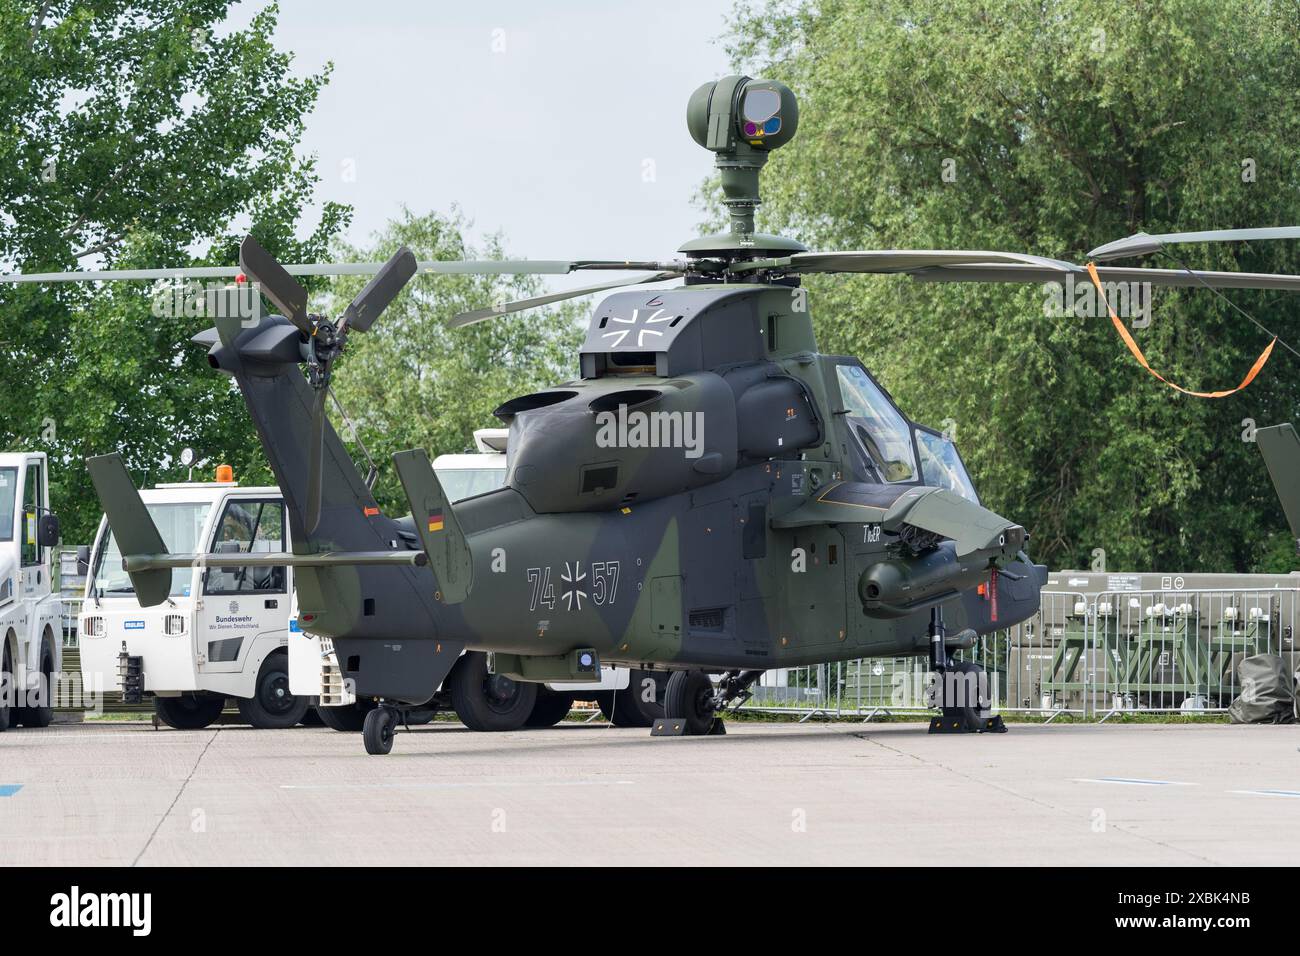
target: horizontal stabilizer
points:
(440, 532)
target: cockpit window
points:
(942, 467)
(877, 426)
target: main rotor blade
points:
(895, 260)
(1142, 244)
(519, 305)
(315, 460)
(479, 267)
(281, 289)
(380, 291)
(1185, 278)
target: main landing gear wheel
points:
(629, 707)
(486, 701)
(377, 733)
(961, 686)
(272, 706)
(689, 698)
(189, 711)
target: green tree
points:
(1061, 124)
(135, 133)
(411, 382)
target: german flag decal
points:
(435, 521)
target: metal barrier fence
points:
(1090, 655)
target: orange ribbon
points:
(1142, 359)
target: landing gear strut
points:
(692, 703)
(960, 690)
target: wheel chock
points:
(676, 727)
(958, 725)
(668, 727)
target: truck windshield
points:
(8, 499)
(467, 482)
(179, 523)
(877, 426)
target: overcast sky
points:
(561, 124)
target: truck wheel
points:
(42, 715)
(551, 708)
(7, 689)
(486, 701)
(628, 707)
(189, 711)
(348, 719)
(311, 718)
(272, 707)
(689, 698)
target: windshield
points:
(8, 498)
(879, 427)
(461, 483)
(941, 467)
(178, 523)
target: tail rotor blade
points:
(381, 290)
(281, 289)
(315, 460)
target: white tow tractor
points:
(221, 633)
(31, 625)
(482, 700)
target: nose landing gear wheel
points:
(377, 734)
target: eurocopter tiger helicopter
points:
(713, 495)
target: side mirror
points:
(47, 530)
(83, 559)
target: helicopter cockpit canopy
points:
(941, 466)
(894, 449)
(877, 426)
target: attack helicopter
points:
(713, 495)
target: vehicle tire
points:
(348, 719)
(628, 707)
(377, 733)
(689, 698)
(189, 711)
(311, 718)
(43, 715)
(272, 707)
(486, 701)
(7, 691)
(551, 708)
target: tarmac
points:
(766, 794)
